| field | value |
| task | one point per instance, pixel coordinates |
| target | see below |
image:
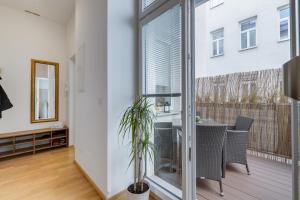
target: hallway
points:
(49, 175)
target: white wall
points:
(22, 38)
(122, 86)
(71, 37)
(269, 52)
(108, 79)
(107, 31)
(91, 102)
(71, 52)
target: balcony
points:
(223, 98)
(269, 180)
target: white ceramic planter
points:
(144, 196)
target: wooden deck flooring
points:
(269, 180)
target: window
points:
(248, 33)
(215, 3)
(284, 23)
(161, 50)
(218, 42)
(147, 3)
(162, 58)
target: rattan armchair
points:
(210, 141)
(237, 141)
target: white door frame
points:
(145, 16)
(295, 51)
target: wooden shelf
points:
(42, 140)
(25, 142)
(6, 144)
(59, 137)
(42, 146)
(6, 154)
(59, 145)
(24, 150)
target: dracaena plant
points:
(137, 124)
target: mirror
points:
(44, 91)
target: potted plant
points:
(137, 124)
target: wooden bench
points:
(33, 141)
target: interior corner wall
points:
(71, 53)
(71, 50)
(106, 82)
(122, 86)
(22, 38)
(91, 89)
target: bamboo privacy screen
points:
(257, 94)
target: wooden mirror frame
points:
(33, 74)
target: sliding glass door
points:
(240, 49)
(163, 70)
(237, 59)
(295, 117)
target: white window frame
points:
(218, 40)
(146, 15)
(143, 12)
(215, 3)
(281, 20)
(248, 33)
(143, 4)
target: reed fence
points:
(256, 94)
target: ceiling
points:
(59, 11)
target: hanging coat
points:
(5, 103)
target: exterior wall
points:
(270, 53)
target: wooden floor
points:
(50, 175)
(53, 175)
(269, 180)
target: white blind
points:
(147, 3)
(162, 53)
(214, 3)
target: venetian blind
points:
(147, 3)
(162, 54)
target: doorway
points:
(239, 51)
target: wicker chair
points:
(163, 141)
(237, 141)
(209, 145)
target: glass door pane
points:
(147, 3)
(291, 85)
(298, 161)
(243, 131)
(161, 79)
